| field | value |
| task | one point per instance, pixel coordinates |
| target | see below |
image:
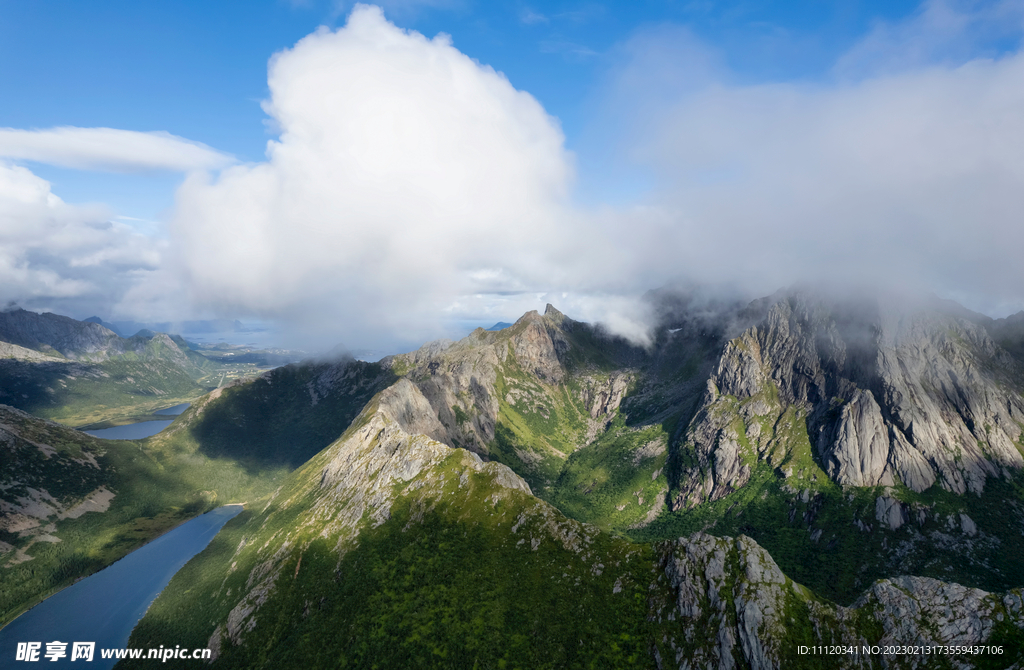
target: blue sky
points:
(675, 132)
(198, 69)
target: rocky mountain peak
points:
(889, 392)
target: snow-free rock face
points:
(735, 609)
(889, 392)
(731, 591)
(525, 369)
(357, 481)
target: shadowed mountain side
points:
(283, 417)
(1009, 334)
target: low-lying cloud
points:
(410, 182)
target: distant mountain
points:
(55, 334)
(106, 324)
(501, 325)
(64, 369)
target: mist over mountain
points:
(830, 444)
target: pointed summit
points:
(551, 311)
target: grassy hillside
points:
(280, 419)
(62, 523)
(442, 587)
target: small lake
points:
(104, 607)
(131, 431)
(142, 429)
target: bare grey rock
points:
(858, 451)
(890, 512)
(733, 589)
(889, 392)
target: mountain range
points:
(79, 372)
(803, 469)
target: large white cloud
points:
(63, 257)
(410, 182)
(109, 149)
(909, 174)
(405, 174)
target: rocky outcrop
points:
(534, 359)
(359, 478)
(730, 603)
(736, 609)
(889, 392)
(856, 452)
(534, 348)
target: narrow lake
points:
(104, 607)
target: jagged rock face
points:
(357, 482)
(732, 591)
(736, 609)
(535, 350)
(459, 380)
(859, 441)
(923, 611)
(888, 393)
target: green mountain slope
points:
(71, 504)
(851, 442)
(390, 549)
(710, 429)
(232, 445)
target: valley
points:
(795, 470)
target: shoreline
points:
(54, 592)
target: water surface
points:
(131, 431)
(104, 607)
(173, 411)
